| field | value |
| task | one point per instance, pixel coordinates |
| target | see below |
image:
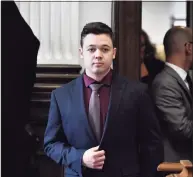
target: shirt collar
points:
(182, 73)
(106, 80)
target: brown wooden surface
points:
(127, 27)
(177, 167)
(182, 169)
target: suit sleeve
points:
(172, 111)
(56, 145)
(150, 137)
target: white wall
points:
(95, 11)
(58, 26)
(179, 9)
(156, 17)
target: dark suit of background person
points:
(19, 56)
(172, 96)
(130, 124)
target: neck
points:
(179, 61)
(98, 77)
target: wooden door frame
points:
(126, 24)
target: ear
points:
(114, 52)
(188, 48)
(81, 52)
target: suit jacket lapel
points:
(117, 87)
(180, 81)
(78, 100)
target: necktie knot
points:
(95, 87)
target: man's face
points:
(189, 50)
(98, 53)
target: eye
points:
(91, 50)
(105, 50)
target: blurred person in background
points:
(150, 64)
(172, 95)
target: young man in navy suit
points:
(113, 134)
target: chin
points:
(99, 70)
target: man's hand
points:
(93, 158)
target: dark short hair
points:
(96, 28)
(171, 36)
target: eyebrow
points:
(105, 45)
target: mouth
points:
(98, 64)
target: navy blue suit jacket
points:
(131, 137)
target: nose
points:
(98, 54)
